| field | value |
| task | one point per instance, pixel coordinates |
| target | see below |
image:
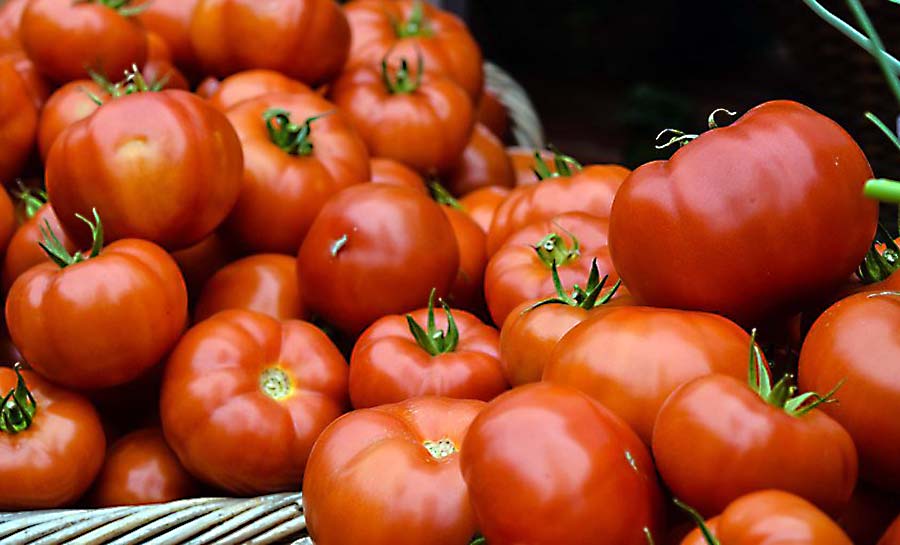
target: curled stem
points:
(18, 407)
(431, 339)
(293, 139)
(57, 252)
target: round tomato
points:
(481, 204)
(581, 475)
(10, 21)
(892, 536)
(242, 378)
(388, 171)
(252, 84)
(146, 162)
(468, 288)
(483, 163)
(375, 250)
(51, 443)
(141, 469)
(525, 164)
(298, 152)
(24, 251)
(171, 20)
(18, 121)
(202, 260)
(72, 102)
(306, 40)
(492, 113)
(389, 475)
(265, 283)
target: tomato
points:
(18, 121)
(202, 260)
(523, 162)
(492, 113)
(70, 103)
(24, 252)
(10, 20)
(37, 86)
(171, 20)
(375, 250)
(159, 70)
(855, 341)
(141, 469)
(390, 476)
(892, 536)
(424, 121)
(7, 221)
(298, 152)
(413, 27)
(388, 171)
(468, 288)
(208, 87)
(481, 204)
(306, 40)
(780, 166)
(631, 358)
(145, 162)
(265, 283)
(522, 270)
(252, 84)
(61, 313)
(242, 378)
(483, 163)
(552, 452)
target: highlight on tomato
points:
(72, 102)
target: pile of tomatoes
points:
(322, 270)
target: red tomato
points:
(390, 476)
(159, 71)
(375, 235)
(24, 252)
(37, 86)
(7, 221)
(18, 121)
(780, 166)
(265, 283)
(70, 103)
(388, 171)
(483, 163)
(524, 164)
(202, 260)
(298, 152)
(145, 162)
(242, 378)
(141, 469)
(892, 537)
(208, 87)
(581, 475)
(492, 114)
(306, 40)
(10, 19)
(171, 20)
(252, 84)
(468, 288)
(51, 443)
(481, 204)
(85, 36)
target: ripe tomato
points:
(141, 469)
(171, 20)
(780, 166)
(23, 251)
(306, 40)
(144, 161)
(208, 87)
(390, 476)
(378, 233)
(524, 164)
(492, 114)
(631, 358)
(892, 536)
(265, 283)
(298, 152)
(252, 84)
(530, 451)
(855, 341)
(85, 36)
(18, 121)
(481, 204)
(7, 220)
(410, 28)
(51, 443)
(468, 288)
(483, 163)
(85, 297)
(70, 103)
(159, 70)
(388, 171)
(202, 260)
(242, 378)
(10, 21)
(37, 86)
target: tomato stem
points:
(124, 7)
(587, 298)
(18, 407)
(883, 190)
(553, 250)
(416, 25)
(649, 536)
(57, 252)
(440, 194)
(880, 263)
(291, 138)
(33, 199)
(433, 340)
(695, 516)
(565, 165)
(338, 245)
(402, 83)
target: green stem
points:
(877, 266)
(553, 250)
(33, 199)
(565, 165)
(588, 298)
(402, 82)
(698, 519)
(57, 252)
(440, 194)
(416, 25)
(433, 340)
(882, 190)
(18, 407)
(877, 46)
(124, 7)
(293, 139)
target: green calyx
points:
(553, 250)
(133, 83)
(433, 340)
(417, 24)
(565, 165)
(57, 252)
(440, 194)
(698, 519)
(32, 199)
(401, 82)
(293, 139)
(880, 264)
(681, 138)
(124, 7)
(478, 540)
(589, 297)
(18, 408)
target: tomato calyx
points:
(32, 199)
(441, 196)
(18, 406)
(589, 297)
(440, 449)
(698, 519)
(57, 252)
(553, 250)
(433, 340)
(276, 383)
(478, 540)
(565, 165)
(293, 139)
(882, 259)
(133, 83)
(124, 7)
(417, 24)
(682, 138)
(402, 82)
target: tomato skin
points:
(780, 166)
(10, 21)
(159, 68)
(18, 121)
(523, 163)
(265, 283)
(171, 20)
(842, 345)
(209, 428)
(208, 87)
(483, 163)
(252, 84)
(202, 260)
(481, 204)
(283, 31)
(388, 171)
(141, 469)
(85, 35)
(37, 86)
(131, 282)
(892, 536)
(23, 251)
(7, 221)
(370, 479)
(52, 463)
(492, 114)
(143, 161)
(396, 240)
(67, 105)
(527, 453)
(282, 193)
(468, 288)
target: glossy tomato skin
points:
(132, 282)
(252, 84)
(528, 452)
(483, 163)
(265, 283)
(282, 193)
(492, 114)
(141, 469)
(468, 288)
(171, 20)
(892, 536)
(7, 220)
(715, 440)
(283, 30)
(37, 86)
(778, 167)
(10, 20)
(70, 103)
(201, 261)
(481, 204)
(86, 35)
(855, 341)
(631, 359)
(388, 171)
(523, 162)
(370, 478)
(23, 251)
(159, 70)
(53, 462)
(144, 161)
(18, 121)
(375, 250)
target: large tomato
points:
(298, 152)
(252, 84)
(481, 204)
(242, 379)
(72, 102)
(483, 163)
(390, 476)
(10, 21)
(164, 167)
(18, 121)
(306, 40)
(783, 184)
(581, 475)
(388, 171)
(23, 251)
(374, 250)
(171, 20)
